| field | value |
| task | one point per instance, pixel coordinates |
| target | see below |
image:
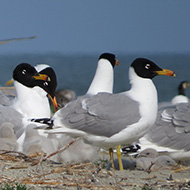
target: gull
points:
(181, 97)
(64, 96)
(7, 137)
(35, 143)
(171, 132)
(102, 82)
(30, 101)
(148, 153)
(108, 120)
(147, 163)
(169, 135)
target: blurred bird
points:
(35, 143)
(181, 97)
(148, 163)
(7, 137)
(64, 96)
(2, 42)
(148, 153)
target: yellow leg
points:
(119, 158)
(111, 158)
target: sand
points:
(38, 173)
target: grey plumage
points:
(147, 163)
(9, 114)
(127, 164)
(102, 109)
(172, 128)
(7, 137)
(35, 143)
(5, 99)
(148, 153)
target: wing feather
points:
(104, 114)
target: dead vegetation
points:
(36, 172)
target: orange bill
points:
(54, 101)
(166, 72)
(42, 77)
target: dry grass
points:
(36, 172)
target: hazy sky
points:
(94, 26)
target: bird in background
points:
(8, 140)
(102, 82)
(181, 97)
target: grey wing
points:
(172, 127)
(103, 114)
(8, 114)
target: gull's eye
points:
(45, 83)
(23, 71)
(147, 66)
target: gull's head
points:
(27, 75)
(50, 85)
(147, 69)
(110, 57)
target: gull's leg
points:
(111, 157)
(119, 158)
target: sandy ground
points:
(39, 174)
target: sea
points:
(76, 71)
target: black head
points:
(24, 73)
(182, 87)
(110, 57)
(145, 68)
(50, 85)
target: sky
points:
(89, 26)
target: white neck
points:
(103, 79)
(31, 102)
(144, 92)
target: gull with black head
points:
(30, 100)
(108, 120)
(102, 82)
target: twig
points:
(7, 88)
(19, 154)
(60, 150)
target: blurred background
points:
(70, 36)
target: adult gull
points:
(102, 82)
(108, 120)
(171, 132)
(30, 101)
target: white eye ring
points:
(147, 66)
(45, 83)
(23, 71)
